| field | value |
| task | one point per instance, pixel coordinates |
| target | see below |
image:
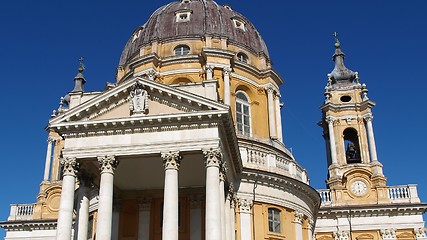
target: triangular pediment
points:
(140, 99)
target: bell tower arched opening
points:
(352, 146)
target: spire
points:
(79, 79)
(340, 74)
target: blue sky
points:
(385, 41)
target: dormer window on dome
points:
(181, 50)
(227, 7)
(183, 15)
(242, 57)
(239, 24)
(136, 35)
(185, 1)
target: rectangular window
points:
(274, 220)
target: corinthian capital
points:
(70, 166)
(368, 117)
(298, 217)
(171, 160)
(269, 89)
(209, 68)
(107, 164)
(213, 157)
(226, 71)
(329, 119)
(245, 205)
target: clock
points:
(359, 188)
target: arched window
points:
(243, 114)
(352, 147)
(274, 223)
(181, 50)
(242, 57)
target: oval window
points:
(345, 98)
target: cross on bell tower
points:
(354, 171)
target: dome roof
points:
(206, 18)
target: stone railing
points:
(269, 161)
(21, 212)
(326, 196)
(403, 194)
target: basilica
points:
(187, 144)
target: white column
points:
(209, 72)
(65, 216)
(82, 218)
(298, 217)
(278, 118)
(233, 217)
(333, 148)
(245, 206)
(48, 158)
(107, 167)
(195, 217)
(310, 229)
(226, 72)
(213, 159)
(171, 163)
(227, 210)
(371, 138)
(271, 118)
(222, 202)
(144, 219)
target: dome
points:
(194, 19)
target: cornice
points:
(297, 187)
(373, 210)
(29, 225)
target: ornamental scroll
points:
(139, 99)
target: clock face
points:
(359, 188)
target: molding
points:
(29, 225)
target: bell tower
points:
(355, 175)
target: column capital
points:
(269, 89)
(341, 235)
(298, 217)
(368, 117)
(171, 160)
(330, 119)
(213, 157)
(389, 233)
(226, 71)
(107, 164)
(70, 166)
(245, 205)
(310, 223)
(209, 68)
(420, 232)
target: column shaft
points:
(171, 162)
(298, 224)
(213, 215)
(108, 165)
(278, 119)
(227, 93)
(48, 159)
(82, 218)
(222, 205)
(371, 138)
(245, 219)
(227, 218)
(332, 141)
(65, 216)
(271, 118)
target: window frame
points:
(273, 220)
(243, 103)
(242, 57)
(181, 50)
